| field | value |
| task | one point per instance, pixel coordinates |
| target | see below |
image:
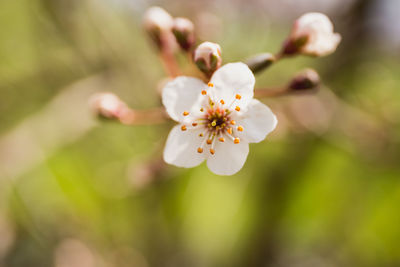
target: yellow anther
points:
(200, 150)
(201, 134)
(185, 113)
(202, 109)
(212, 151)
(209, 141)
(183, 128)
(221, 139)
(233, 122)
(222, 102)
(229, 130)
(237, 108)
(236, 140)
(204, 92)
(194, 124)
(213, 123)
(240, 128)
(238, 97)
(210, 85)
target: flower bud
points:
(107, 105)
(305, 80)
(260, 62)
(312, 34)
(207, 57)
(183, 30)
(158, 24)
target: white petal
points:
(319, 29)
(258, 121)
(181, 148)
(232, 79)
(316, 21)
(182, 94)
(229, 158)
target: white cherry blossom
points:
(207, 57)
(217, 121)
(317, 29)
(157, 18)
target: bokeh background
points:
(323, 190)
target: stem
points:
(169, 62)
(143, 117)
(271, 92)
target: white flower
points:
(156, 18)
(317, 31)
(207, 57)
(183, 30)
(217, 121)
(107, 105)
(183, 25)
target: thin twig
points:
(270, 92)
(169, 62)
(143, 117)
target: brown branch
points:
(169, 62)
(143, 117)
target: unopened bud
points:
(207, 57)
(158, 24)
(260, 62)
(312, 34)
(107, 105)
(305, 80)
(183, 30)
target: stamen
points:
(210, 85)
(237, 108)
(221, 139)
(214, 123)
(183, 128)
(185, 113)
(202, 109)
(199, 150)
(212, 149)
(204, 92)
(209, 141)
(201, 135)
(240, 128)
(229, 130)
(238, 97)
(233, 122)
(194, 124)
(236, 140)
(222, 102)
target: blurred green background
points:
(322, 190)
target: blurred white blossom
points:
(217, 121)
(313, 35)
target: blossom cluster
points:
(217, 114)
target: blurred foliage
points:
(302, 199)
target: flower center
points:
(216, 121)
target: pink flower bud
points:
(260, 62)
(183, 30)
(207, 57)
(158, 24)
(312, 34)
(107, 105)
(305, 80)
